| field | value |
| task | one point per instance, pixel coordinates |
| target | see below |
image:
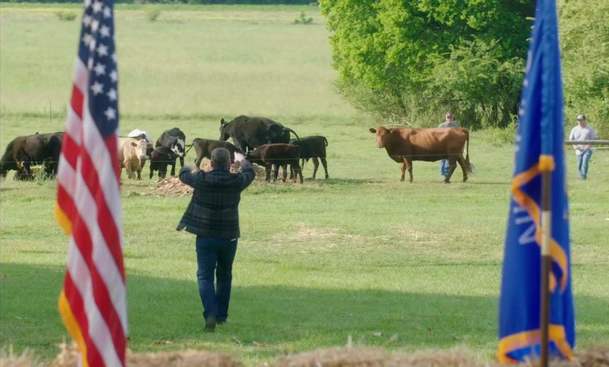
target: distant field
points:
(360, 256)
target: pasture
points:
(360, 256)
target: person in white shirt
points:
(582, 132)
(449, 122)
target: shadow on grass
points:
(266, 321)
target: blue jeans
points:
(582, 163)
(444, 167)
(215, 256)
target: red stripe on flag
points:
(70, 150)
(112, 146)
(105, 220)
(66, 204)
(100, 292)
(78, 310)
(77, 101)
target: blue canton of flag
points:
(539, 148)
(97, 52)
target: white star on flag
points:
(86, 39)
(104, 31)
(94, 25)
(102, 50)
(113, 75)
(112, 94)
(107, 12)
(100, 69)
(86, 20)
(110, 113)
(97, 88)
(97, 6)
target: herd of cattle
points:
(263, 141)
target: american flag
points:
(93, 301)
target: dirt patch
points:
(306, 233)
(336, 357)
(68, 357)
(333, 357)
(171, 186)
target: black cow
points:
(24, 151)
(204, 147)
(160, 158)
(175, 140)
(251, 132)
(313, 147)
(274, 156)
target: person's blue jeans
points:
(582, 163)
(215, 257)
(444, 167)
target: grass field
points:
(360, 256)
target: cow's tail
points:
(293, 132)
(467, 162)
(325, 141)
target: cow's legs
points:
(407, 165)
(463, 165)
(173, 168)
(315, 166)
(284, 175)
(300, 174)
(267, 169)
(325, 164)
(28, 169)
(275, 171)
(181, 162)
(452, 164)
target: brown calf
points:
(275, 155)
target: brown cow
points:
(406, 145)
(132, 155)
(275, 155)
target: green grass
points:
(317, 264)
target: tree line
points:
(410, 61)
(254, 2)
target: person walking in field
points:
(449, 122)
(213, 216)
(583, 152)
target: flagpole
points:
(546, 261)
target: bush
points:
(153, 14)
(303, 19)
(66, 16)
(585, 50)
(413, 60)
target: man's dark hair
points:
(220, 158)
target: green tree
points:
(585, 50)
(409, 60)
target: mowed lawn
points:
(359, 257)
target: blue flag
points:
(539, 148)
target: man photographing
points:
(213, 216)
